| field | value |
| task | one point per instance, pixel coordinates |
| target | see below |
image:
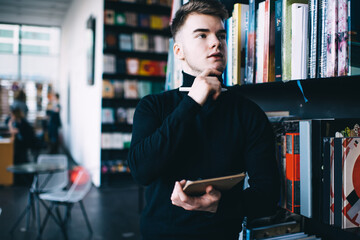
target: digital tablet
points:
(220, 183)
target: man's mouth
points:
(216, 55)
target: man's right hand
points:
(206, 84)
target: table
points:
(33, 199)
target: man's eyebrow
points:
(207, 30)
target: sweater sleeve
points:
(261, 198)
(154, 140)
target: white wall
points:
(82, 132)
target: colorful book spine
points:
(354, 39)
(313, 32)
(278, 46)
(331, 35)
(269, 42)
(229, 40)
(343, 49)
(322, 39)
(250, 66)
(286, 37)
(292, 172)
(299, 41)
(260, 18)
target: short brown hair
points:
(207, 7)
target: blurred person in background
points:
(53, 112)
(20, 101)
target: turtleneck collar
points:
(189, 79)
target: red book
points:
(292, 172)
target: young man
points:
(204, 132)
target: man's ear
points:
(178, 51)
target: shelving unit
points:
(114, 160)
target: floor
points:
(113, 213)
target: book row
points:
(282, 40)
(114, 166)
(319, 171)
(132, 19)
(133, 66)
(130, 89)
(148, 2)
(117, 141)
(139, 42)
(117, 115)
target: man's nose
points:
(215, 42)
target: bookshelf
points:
(145, 26)
(327, 97)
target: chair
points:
(76, 193)
(54, 181)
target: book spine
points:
(266, 42)
(331, 35)
(326, 181)
(354, 40)
(313, 29)
(338, 159)
(251, 43)
(292, 172)
(278, 46)
(342, 49)
(260, 42)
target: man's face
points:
(201, 44)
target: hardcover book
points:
(250, 68)
(354, 39)
(125, 42)
(120, 18)
(130, 89)
(343, 38)
(331, 35)
(313, 38)
(140, 42)
(109, 17)
(110, 40)
(269, 42)
(278, 45)
(292, 172)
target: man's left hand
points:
(208, 202)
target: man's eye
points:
(222, 37)
(202, 36)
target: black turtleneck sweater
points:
(175, 138)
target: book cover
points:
(125, 42)
(156, 22)
(151, 43)
(116, 141)
(132, 66)
(338, 184)
(313, 32)
(238, 55)
(354, 39)
(131, 19)
(342, 36)
(269, 42)
(299, 38)
(331, 36)
(160, 45)
(149, 68)
(292, 172)
(130, 89)
(144, 20)
(325, 204)
(351, 183)
(107, 115)
(109, 63)
(120, 18)
(286, 37)
(260, 23)
(130, 115)
(110, 40)
(109, 16)
(118, 86)
(107, 89)
(144, 88)
(251, 43)
(105, 140)
(140, 42)
(229, 67)
(322, 39)
(278, 46)
(120, 115)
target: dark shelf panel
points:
(327, 97)
(116, 127)
(142, 55)
(114, 154)
(129, 29)
(137, 77)
(138, 7)
(119, 102)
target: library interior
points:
(103, 135)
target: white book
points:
(117, 141)
(106, 141)
(260, 31)
(140, 42)
(109, 63)
(299, 32)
